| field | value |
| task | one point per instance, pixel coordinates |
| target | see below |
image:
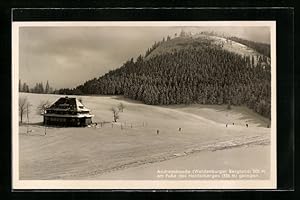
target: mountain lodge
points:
(67, 112)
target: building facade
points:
(67, 112)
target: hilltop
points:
(202, 68)
(232, 44)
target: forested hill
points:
(201, 71)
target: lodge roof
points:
(68, 104)
(68, 116)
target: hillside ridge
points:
(231, 44)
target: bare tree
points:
(24, 107)
(115, 112)
(27, 111)
(42, 107)
(121, 107)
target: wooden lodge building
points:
(67, 112)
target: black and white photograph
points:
(144, 105)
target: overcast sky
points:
(69, 56)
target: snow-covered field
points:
(133, 143)
(234, 47)
(233, 159)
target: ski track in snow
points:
(215, 146)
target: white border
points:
(123, 184)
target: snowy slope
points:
(200, 39)
(81, 153)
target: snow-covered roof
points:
(71, 116)
(68, 104)
(80, 106)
